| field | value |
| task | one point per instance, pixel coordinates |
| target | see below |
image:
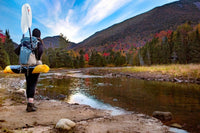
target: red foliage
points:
(86, 57)
(2, 36)
(162, 34)
(106, 54)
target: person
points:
(32, 79)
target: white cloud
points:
(95, 11)
(57, 8)
(87, 4)
(73, 21)
(103, 9)
(63, 26)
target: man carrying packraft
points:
(32, 79)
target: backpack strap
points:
(30, 37)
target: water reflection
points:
(90, 100)
(183, 100)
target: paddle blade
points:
(26, 19)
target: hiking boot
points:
(31, 107)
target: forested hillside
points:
(179, 46)
(165, 47)
(136, 31)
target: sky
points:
(76, 19)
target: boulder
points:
(21, 92)
(163, 116)
(65, 124)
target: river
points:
(124, 95)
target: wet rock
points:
(65, 124)
(178, 80)
(163, 116)
(160, 79)
(101, 84)
(115, 100)
(114, 74)
(176, 125)
(61, 97)
(21, 92)
(128, 75)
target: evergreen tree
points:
(9, 48)
(68, 61)
(119, 59)
(92, 58)
(76, 63)
(81, 60)
(182, 43)
(45, 58)
(4, 58)
(195, 48)
(52, 57)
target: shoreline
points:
(14, 118)
(88, 120)
(143, 75)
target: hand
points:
(39, 62)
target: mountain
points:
(135, 31)
(15, 44)
(54, 41)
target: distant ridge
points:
(137, 30)
(53, 42)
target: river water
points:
(124, 95)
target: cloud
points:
(79, 19)
(92, 11)
(62, 25)
(103, 9)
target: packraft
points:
(24, 69)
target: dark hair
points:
(36, 33)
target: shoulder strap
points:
(30, 37)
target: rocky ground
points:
(14, 118)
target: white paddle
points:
(26, 19)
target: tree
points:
(81, 59)
(119, 59)
(9, 48)
(45, 58)
(63, 41)
(92, 57)
(194, 47)
(76, 62)
(182, 42)
(4, 58)
(52, 57)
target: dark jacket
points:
(39, 50)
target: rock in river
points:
(163, 116)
